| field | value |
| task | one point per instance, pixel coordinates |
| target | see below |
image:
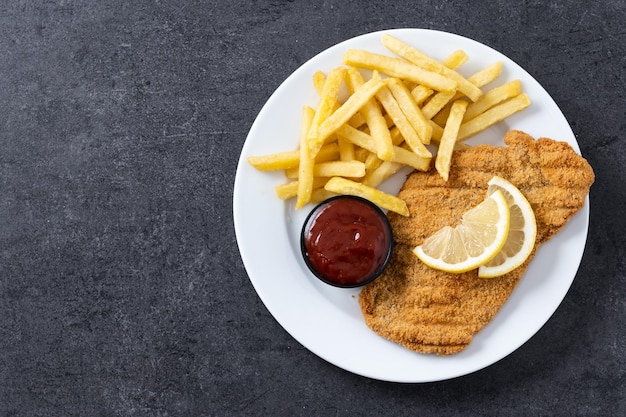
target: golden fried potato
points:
(392, 108)
(449, 138)
(493, 115)
(396, 67)
(387, 201)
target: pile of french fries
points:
(395, 109)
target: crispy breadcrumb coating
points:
(431, 311)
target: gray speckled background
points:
(122, 292)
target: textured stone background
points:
(122, 292)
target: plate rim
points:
(237, 202)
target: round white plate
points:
(327, 320)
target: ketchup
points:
(346, 241)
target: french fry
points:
(420, 92)
(359, 138)
(372, 162)
(409, 84)
(275, 162)
(348, 109)
(396, 136)
(361, 154)
(307, 161)
(318, 81)
(437, 131)
(329, 152)
(441, 117)
(486, 75)
(373, 116)
(291, 173)
(321, 194)
(387, 201)
(493, 116)
(436, 103)
(408, 132)
(456, 59)
(357, 120)
(286, 191)
(441, 100)
(326, 107)
(319, 78)
(406, 157)
(448, 139)
(389, 121)
(422, 60)
(346, 149)
(493, 97)
(291, 159)
(411, 110)
(398, 68)
(290, 189)
(377, 176)
(353, 169)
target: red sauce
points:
(347, 241)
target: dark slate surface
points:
(122, 292)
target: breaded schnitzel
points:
(431, 311)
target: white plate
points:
(327, 320)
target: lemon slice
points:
(480, 236)
(522, 231)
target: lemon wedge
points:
(522, 231)
(479, 237)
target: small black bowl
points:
(346, 241)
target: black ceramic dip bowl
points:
(346, 241)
